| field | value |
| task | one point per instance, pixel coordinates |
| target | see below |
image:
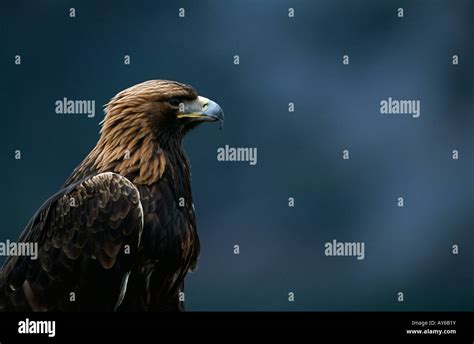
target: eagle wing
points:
(87, 235)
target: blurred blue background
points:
(282, 60)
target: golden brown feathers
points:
(128, 144)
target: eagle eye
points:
(175, 102)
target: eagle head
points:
(168, 108)
(142, 130)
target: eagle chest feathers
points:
(169, 227)
(169, 244)
(121, 232)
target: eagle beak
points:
(201, 109)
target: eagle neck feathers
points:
(130, 147)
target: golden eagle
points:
(121, 232)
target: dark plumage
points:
(121, 233)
